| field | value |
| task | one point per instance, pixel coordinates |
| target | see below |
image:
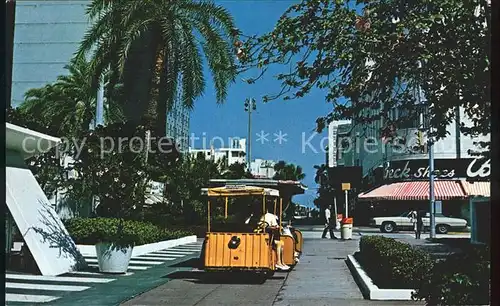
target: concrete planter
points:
(112, 259)
(139, 250)
(372, 291)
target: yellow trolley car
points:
(245, 250)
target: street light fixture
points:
(250, 106)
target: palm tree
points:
(157, 45)
(236, 171)
(286, 171)
(326, 192)
(68, 105)
(321, 176)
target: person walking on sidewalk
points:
(329, 223)
(420, 223)
(413, 219)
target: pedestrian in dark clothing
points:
(420, 223)
(329, 223)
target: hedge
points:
(461, 279)
(90, 231)
(392, 264)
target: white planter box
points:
(372, 291)
(146, 248)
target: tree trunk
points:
(138, 76)
(161, 102)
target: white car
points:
(391, 224)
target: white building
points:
(236, 153)
(262, 168)
(333, 131)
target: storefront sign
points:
(474, 169)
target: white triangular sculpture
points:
(45, 235)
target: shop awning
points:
(476, 189)
(417, 190)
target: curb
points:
(145, 248)
(370, 290)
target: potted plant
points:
(111, 164)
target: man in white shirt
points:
(274, 229)
(329, 223)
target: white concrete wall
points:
(445, 148)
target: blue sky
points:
(295, 118)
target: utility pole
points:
(337, 225)
(99, 113)
(346, 203)
(249, 107)
(431, 189)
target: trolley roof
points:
(239, 190)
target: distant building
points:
(178, 125)
(337, 131)
(261, 168)
(236, 153)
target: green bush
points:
(461, 279)
(94, 230)
(393, 264)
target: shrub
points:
(393, 264)
(462, 279)
(95, 230)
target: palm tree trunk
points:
(138, 76)
(161, 103)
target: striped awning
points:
(477, 189)
(417, 190)
(383, 192)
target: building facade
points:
(235, 153)
(262, 168)
(178, 125)
(46, 36)
(337, 130)
(363, 145)
(403, 162)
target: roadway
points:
(321, 278)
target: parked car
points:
(403, 222)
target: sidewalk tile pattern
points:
(26, 289)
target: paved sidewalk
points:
(323, 278)
(94, 288)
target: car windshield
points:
(405, 214)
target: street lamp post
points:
(99, 114)
(431, 190)
(249, 107)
